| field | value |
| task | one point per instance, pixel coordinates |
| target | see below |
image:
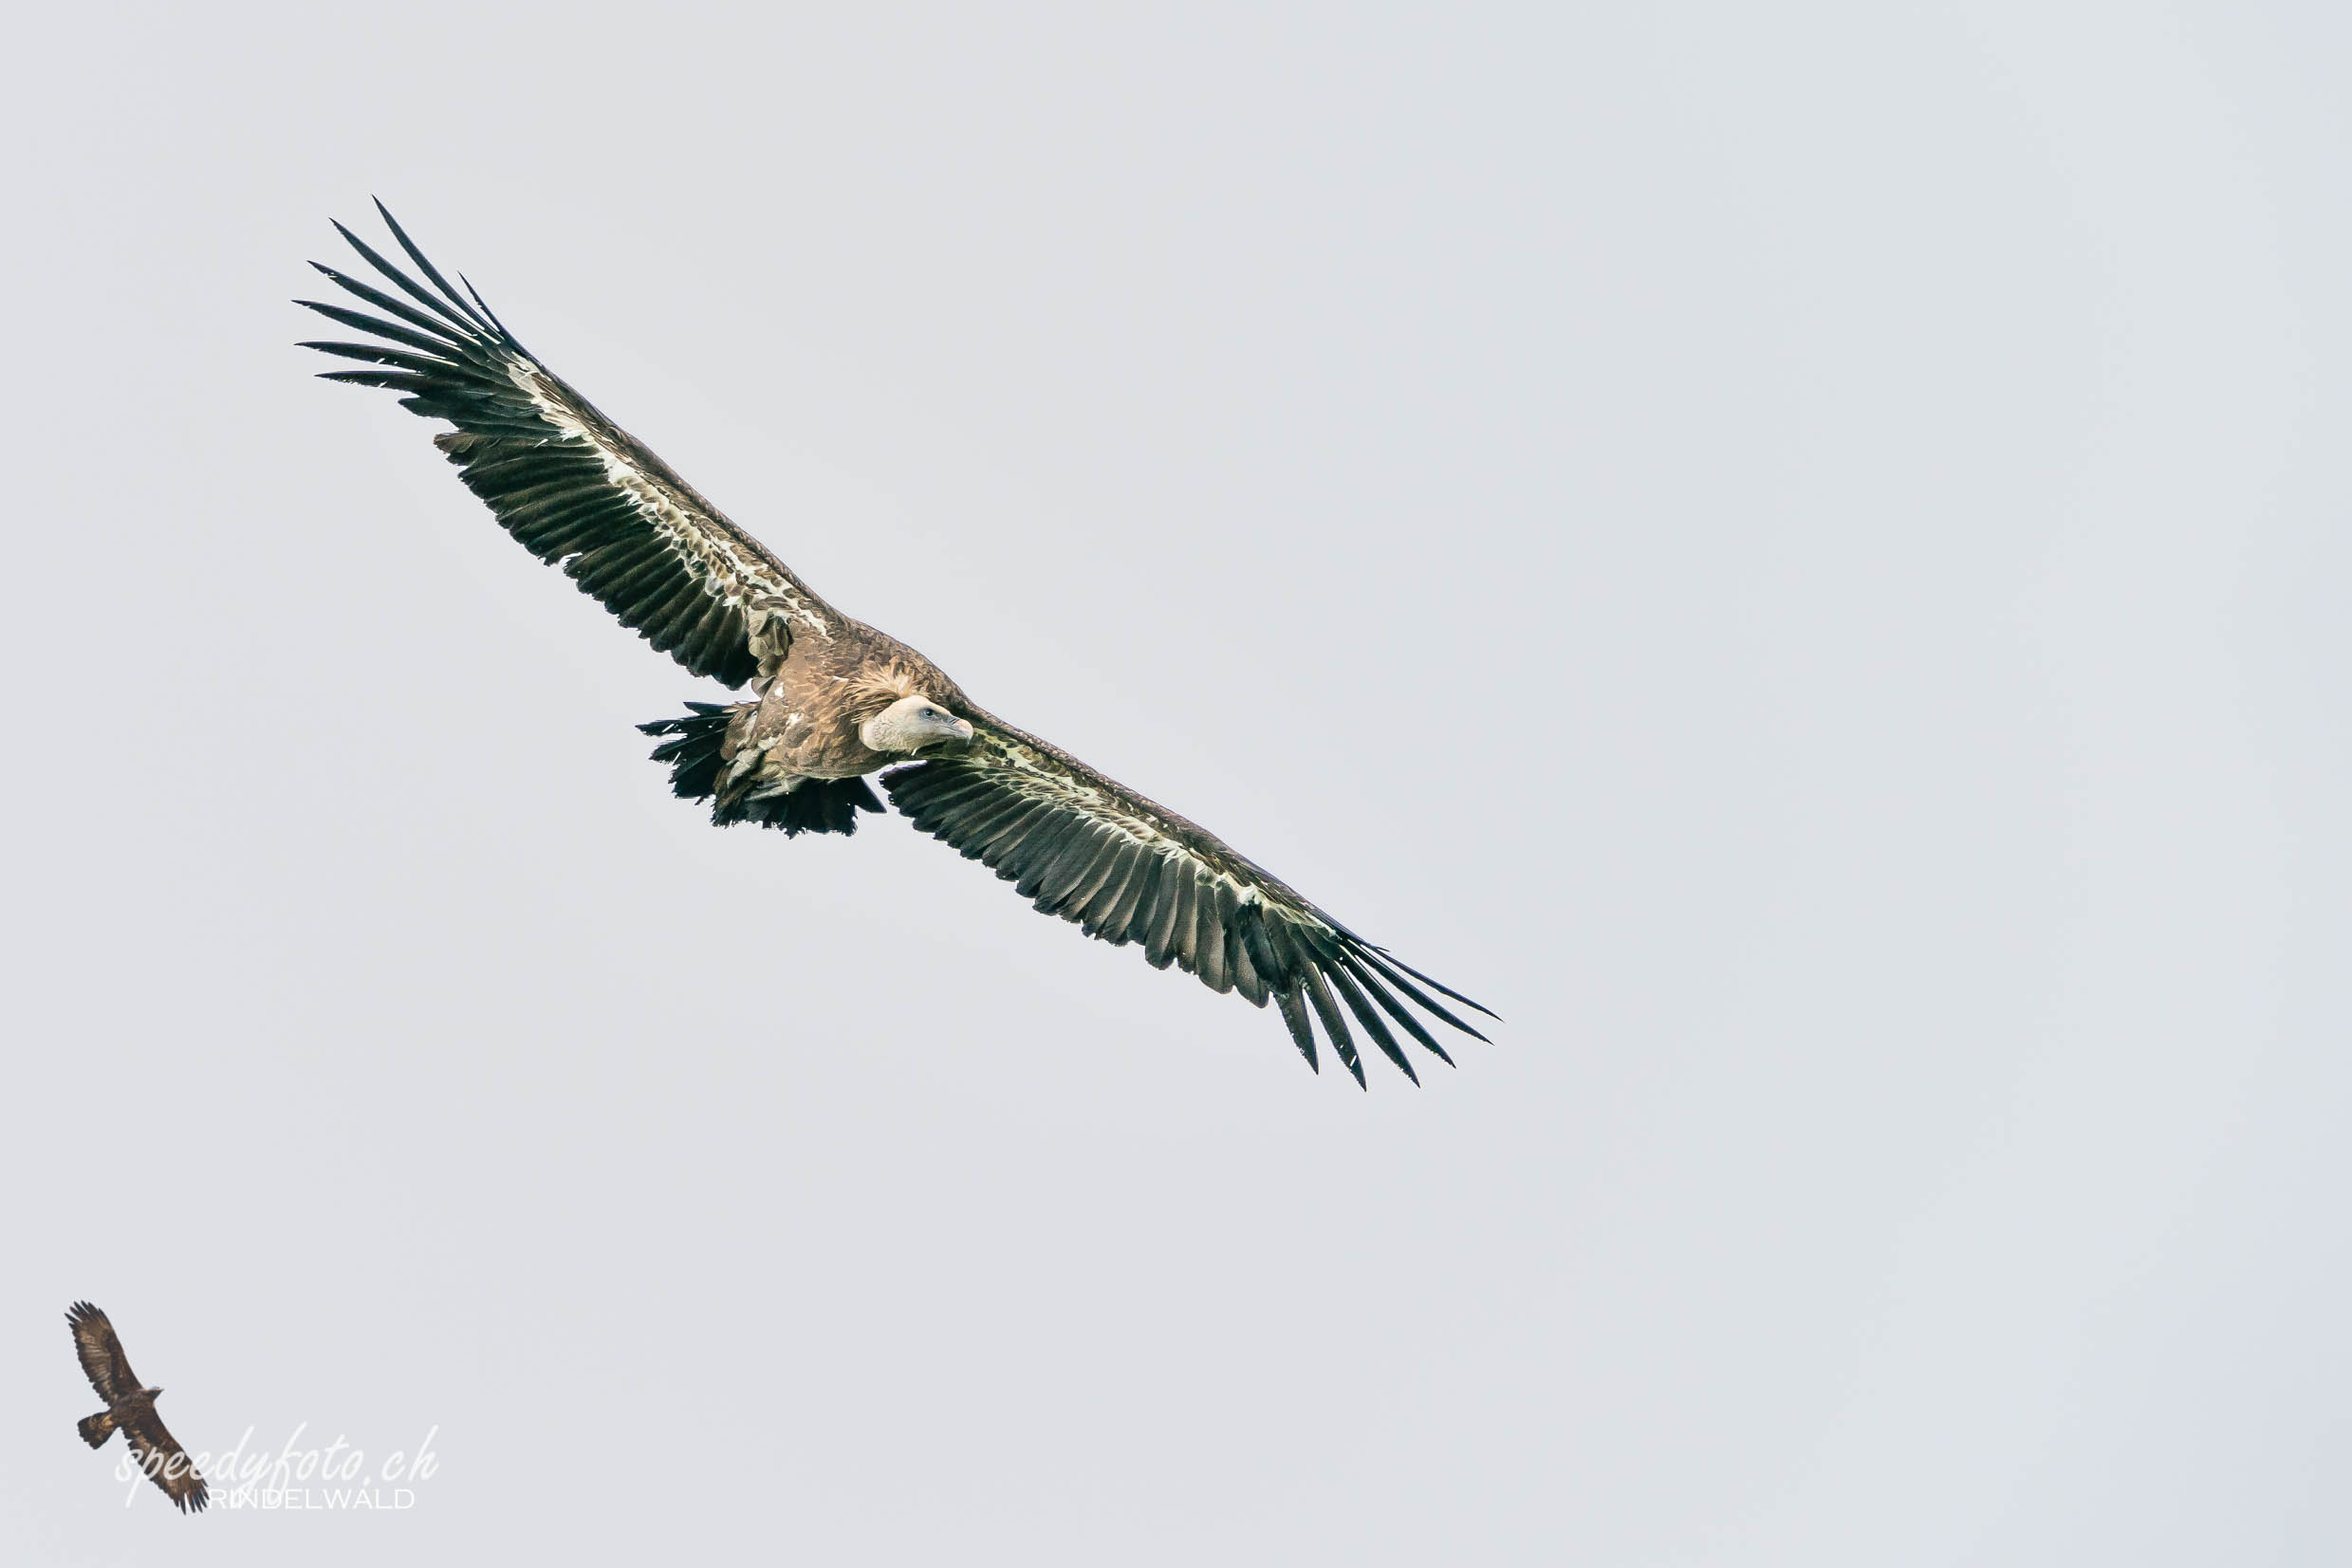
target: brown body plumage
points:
(806, 720)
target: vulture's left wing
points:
(569, 483)
(1125, 869)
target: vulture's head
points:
(914, 724)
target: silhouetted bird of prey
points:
(833, 700)
(131, 1410)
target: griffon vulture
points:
(131, 1410)
(832, 700)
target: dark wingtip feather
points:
(1396, 1009)
(419, 257)
(463, 319)
(494, 322)
(1389, 967)
(1372, 1022)
(1293, 1010)
(1435, 985)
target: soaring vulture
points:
(832, 700)
(130, 1408)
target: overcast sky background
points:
(1799, 552)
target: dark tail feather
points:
(94, 1429)
(818, 805)
(694, 757)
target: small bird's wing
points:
(1125, 869)
(166, 1462)
(569, 483)
(100, 1353)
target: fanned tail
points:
(694, 756)
(697, 755)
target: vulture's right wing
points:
(567, 482)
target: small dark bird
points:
(832, 700)
(131, 1408)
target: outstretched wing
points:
(100, 1353)
(166, 1462)
(567, 482)
(1123, 870)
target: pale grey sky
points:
(1796, 551)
